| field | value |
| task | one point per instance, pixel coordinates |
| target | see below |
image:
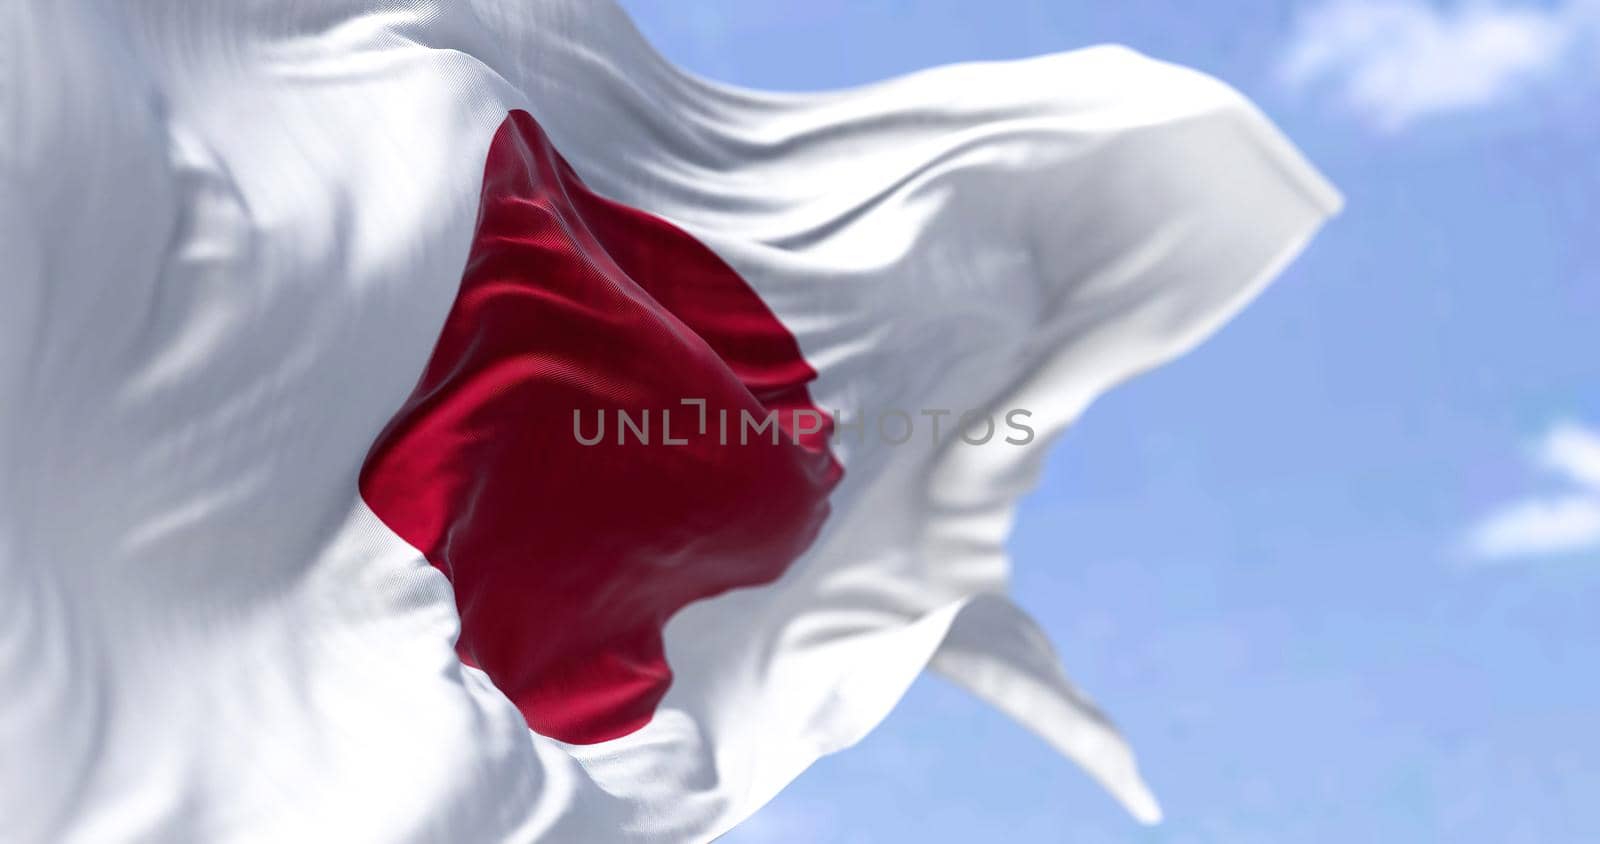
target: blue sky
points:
(1336, 574)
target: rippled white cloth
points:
(230, 234)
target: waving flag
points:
(449, 421)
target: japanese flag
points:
(449, 421)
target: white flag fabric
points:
(301, 531)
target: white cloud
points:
(1564, 523)
(1573, 451)
(1395, 61)
(1541, 526)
